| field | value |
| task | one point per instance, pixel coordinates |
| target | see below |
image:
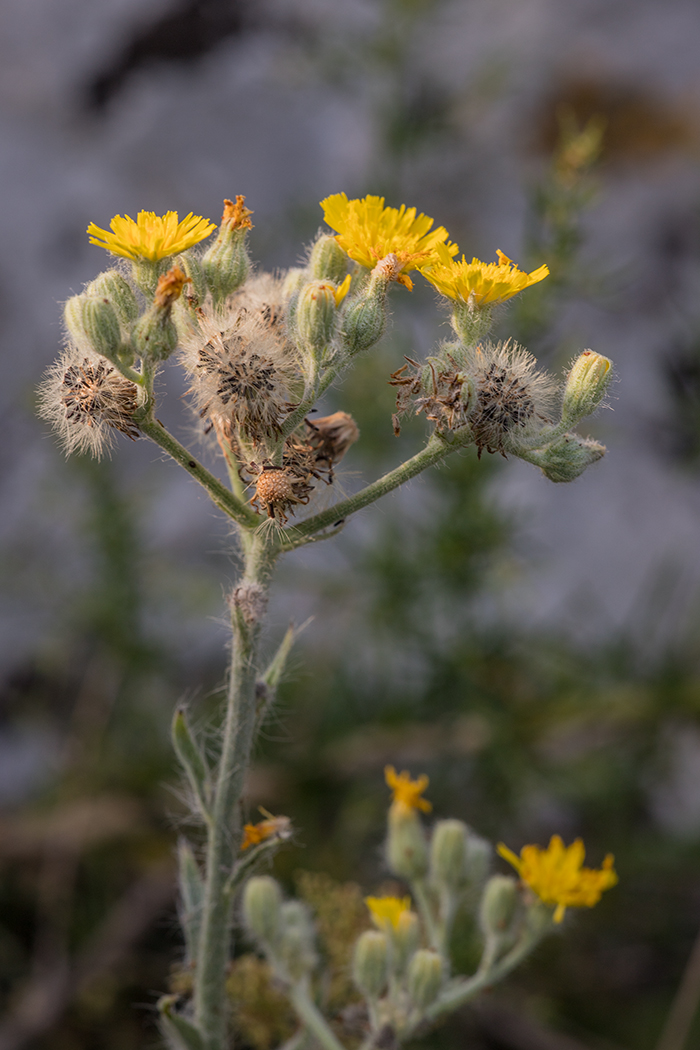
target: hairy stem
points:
(224, 834)
(313, 1019)
(436, 449)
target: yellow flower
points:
(557, 876)
(477, 282)
(407, 792)
(368, 232)
(152, 236)
(387, 911)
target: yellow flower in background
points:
(152, 236)
(485, 282)
(557, 876)
(387, 911)
(368, 232)
(407, 792)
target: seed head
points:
(241, 363)
(511, 395)
(277, 490)
(86, 399)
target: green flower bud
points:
(154, 335)
(370, 967)
(471, 323)
(586, 384)
(405, 937)
(112, 286)
(262, 908)
(365, 317)
(328, 261)
(567, 458)
(424, 978)
(226, 264)
(192, 267)
(499, 906)
(92, 320)
(314, 318)
(406, 848)
(448, 853)
(295, 948)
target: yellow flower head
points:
(477, 282)
(152, 236)
(557, 876)
(387, 911)
(368, 232)
(254, 834)
(407, 792)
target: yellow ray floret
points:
(479, 283)
(557, 875)
(152, 236)
(387, 911)
(368, 232)
(407, 792)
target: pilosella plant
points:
(259, 351)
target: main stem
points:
(224, 833)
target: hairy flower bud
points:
(315, 315)
(424, 978)
(328, 261)
(448, 853)
(406, 848)
(585, 388)
(370, 967)
(499, 905)
(567, 458)
(226, 264)
(192, 267)
(365, 317)
(405, 936)
(93, 324)
(470, 322)
(262, 908)
(111, 285)
(155, 335)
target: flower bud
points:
(154, 335)
(406, 848)
(226, 264)
(91, 320)
(112, 286)
(365, 318)
(585, 386)
(448, 853)
(370, 967)
(405, 937)
(315, 314)
(262, 908)
(424, 978)
(567, 458)
(328, 261)
(192, 267)
(295, 948)
(499, 905)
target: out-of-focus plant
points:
(260, 351)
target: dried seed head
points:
(86, 399)
(241, 363)
(331, 437)
(278, 489)
(511, 395)
(250, 599)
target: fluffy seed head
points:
(86, 400)
(511, 395)
(241, 363)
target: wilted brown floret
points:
(330, 437)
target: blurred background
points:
(534, 648)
